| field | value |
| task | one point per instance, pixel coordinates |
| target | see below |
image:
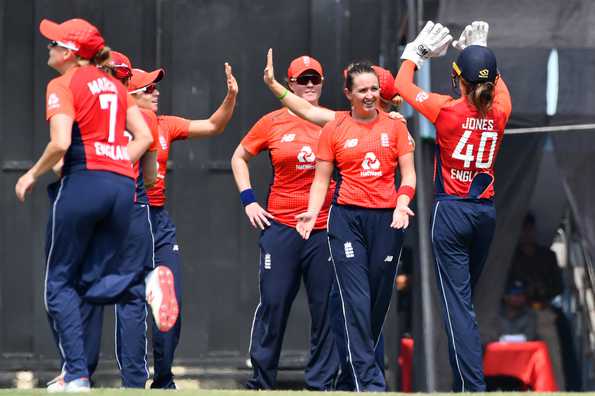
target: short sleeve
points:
(59, 99)
(178, 128)
(405, 142)
(326, 151)
(257, 138)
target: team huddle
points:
(342, 235)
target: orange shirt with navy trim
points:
(170, 129)
(97, 103)
(366, 155)
(291, 142)
(467, 143)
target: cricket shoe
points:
(78, 385)
(161, 296)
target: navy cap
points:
(515, 287)
(476, 64)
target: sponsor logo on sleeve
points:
(53, 101)
(163, 142)
(421, 97)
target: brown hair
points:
(101, 59)
(354, 69)
(480, 95)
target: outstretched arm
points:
(217, 122)
(301, 107)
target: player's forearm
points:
(318, 192)
(50, 157)
(408, 178)
(149, 164)
(241, 173)
(137, 147)
(221, 117)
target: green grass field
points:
(208, 392)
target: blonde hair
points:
(101, 59)
(480, 95)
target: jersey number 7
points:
(110, 102)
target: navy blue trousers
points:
(167, 252)
(286, 258)
(130, 310)
(365, 252)
(344, 381)
(87, 227)
(462, 232)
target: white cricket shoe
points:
(78, 385)
(161, 296)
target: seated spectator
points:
(536, 266)
(518, 321)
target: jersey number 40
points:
(464, 151)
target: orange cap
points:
(121, 66)
(76, 35)
(120, 60)
(141, 79)
(386, 83)
(301, 64)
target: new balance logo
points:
(289, 137)
(306, 155)
(384, 141)
(349, 253)
(350, 143)
(371, 165)
(388, 259)
(267, 261)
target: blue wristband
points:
(247, 197)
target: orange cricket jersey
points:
(291, 142)
(170, 129)
(466, 142)
(366, 155)
(98, 103)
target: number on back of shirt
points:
(464, 151)
(110, 102)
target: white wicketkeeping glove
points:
(474, 34)
(431, 42)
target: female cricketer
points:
(368, 216)
(469, 131)
(166, 248)
(88, 111)
(285, 258)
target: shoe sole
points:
(168, 308)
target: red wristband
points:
(406, 190)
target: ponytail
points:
(480, 95)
